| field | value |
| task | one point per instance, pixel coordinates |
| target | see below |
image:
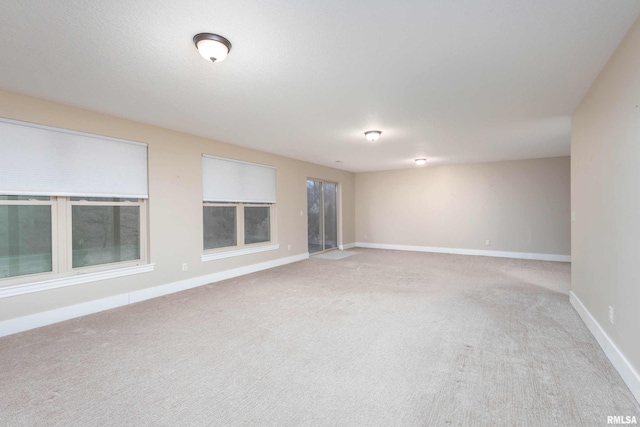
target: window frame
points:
(62, 247)
(55, 258)
(256, 205)
(141, 203)
(241, 247)
(221, 205)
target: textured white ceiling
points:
(451, 80)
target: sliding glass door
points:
(329, 203)
(322, 202)
(315, 225)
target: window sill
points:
(77, 279)
(239, 252)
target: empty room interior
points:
(411, 213)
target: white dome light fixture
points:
(372, 135)
(212, 47)
(421, 162)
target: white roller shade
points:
(41, 160)
(225, 180)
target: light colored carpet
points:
(380, 339)
(335, 255)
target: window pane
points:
(219, 227)
(105, 234)
(256, 224)
(25, 240)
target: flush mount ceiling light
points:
(372, 135)
(212, 47)
(421, 162)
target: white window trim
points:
(76, 279)
(61, 252)
(249, 249)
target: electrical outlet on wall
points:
(487, 242)
(184, 266)
(611, 318)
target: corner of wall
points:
(626, 370)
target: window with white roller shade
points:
(225, 180)
(71, 204)
(41, 160)
(238, 208)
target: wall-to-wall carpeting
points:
(379, 338)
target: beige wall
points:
(175, 202)
(521, 206)
(605, 197)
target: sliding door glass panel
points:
(322, 215)
(330, 216)
(314, 210)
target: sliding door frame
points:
(338, 214)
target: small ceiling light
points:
(212, 47)
(421, 162)
(372, 135)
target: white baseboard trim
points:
(170, 288)
(456, 251)
(347, 246)
(25, 323)
(629, 375)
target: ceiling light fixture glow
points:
(212, 47)
(421, 162)
(372, 135)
